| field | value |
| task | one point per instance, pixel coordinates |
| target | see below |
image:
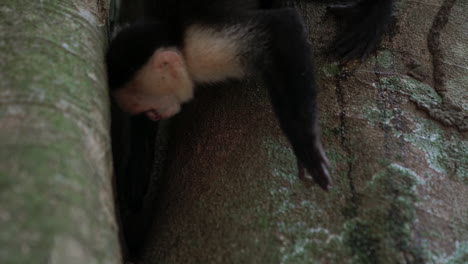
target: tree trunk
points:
(394, 128)
(55, 163)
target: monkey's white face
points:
(155, 105)
(159, 88)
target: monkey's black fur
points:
(366, 21)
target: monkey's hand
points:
(303, 134)
(317, 169)
(298, 122)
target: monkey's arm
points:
(293, 90)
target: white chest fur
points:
(213, 55)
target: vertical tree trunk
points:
(55, 164)
(395, 131)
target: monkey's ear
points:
(167, 60)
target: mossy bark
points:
(394, 128)
(55, 163)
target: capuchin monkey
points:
(155, 65)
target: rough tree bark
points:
(394, 128)
(56, 202)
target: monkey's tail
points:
(367, 21)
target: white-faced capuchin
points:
(155, 65)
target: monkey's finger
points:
(321, 176)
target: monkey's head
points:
(146, 73)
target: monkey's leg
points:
(365, 23)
